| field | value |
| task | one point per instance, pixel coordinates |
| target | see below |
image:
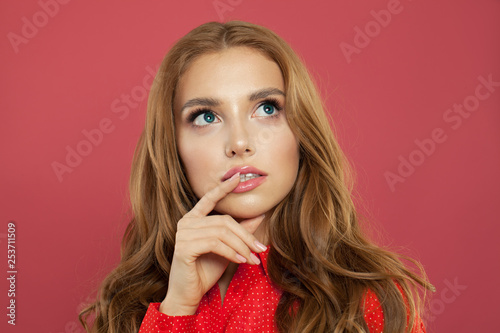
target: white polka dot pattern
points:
(249, 306)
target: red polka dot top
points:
(249, 306)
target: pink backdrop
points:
(414, 88)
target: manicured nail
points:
(260, 245)
(254, 258)
(241, 258)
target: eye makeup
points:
(191, 117)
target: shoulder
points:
(374, 314)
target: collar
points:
(262, 267)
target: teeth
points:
(248, 176)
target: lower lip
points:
(249, 184)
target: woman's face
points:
(229, 113)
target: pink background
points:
(70, 74)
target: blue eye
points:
(269, 109)
(203, 118)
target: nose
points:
(239, 140)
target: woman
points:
(243, 218)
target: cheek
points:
(197, 158)
(284, 152)
(292, 162)
(288, 149)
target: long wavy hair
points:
(319, 256)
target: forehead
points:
(229, 74)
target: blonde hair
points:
(319, 257)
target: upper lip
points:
(243, 169)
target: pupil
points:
(268, 109)
(209, 117)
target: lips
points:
(243, 170)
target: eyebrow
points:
(213, 102)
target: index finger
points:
(209, 200)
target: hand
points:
(204, 245)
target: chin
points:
(240, 210)
(239, 214)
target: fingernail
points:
(260, 245)
(254, 258)
(241, 258)
(234, 176)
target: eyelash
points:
(271, 101)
